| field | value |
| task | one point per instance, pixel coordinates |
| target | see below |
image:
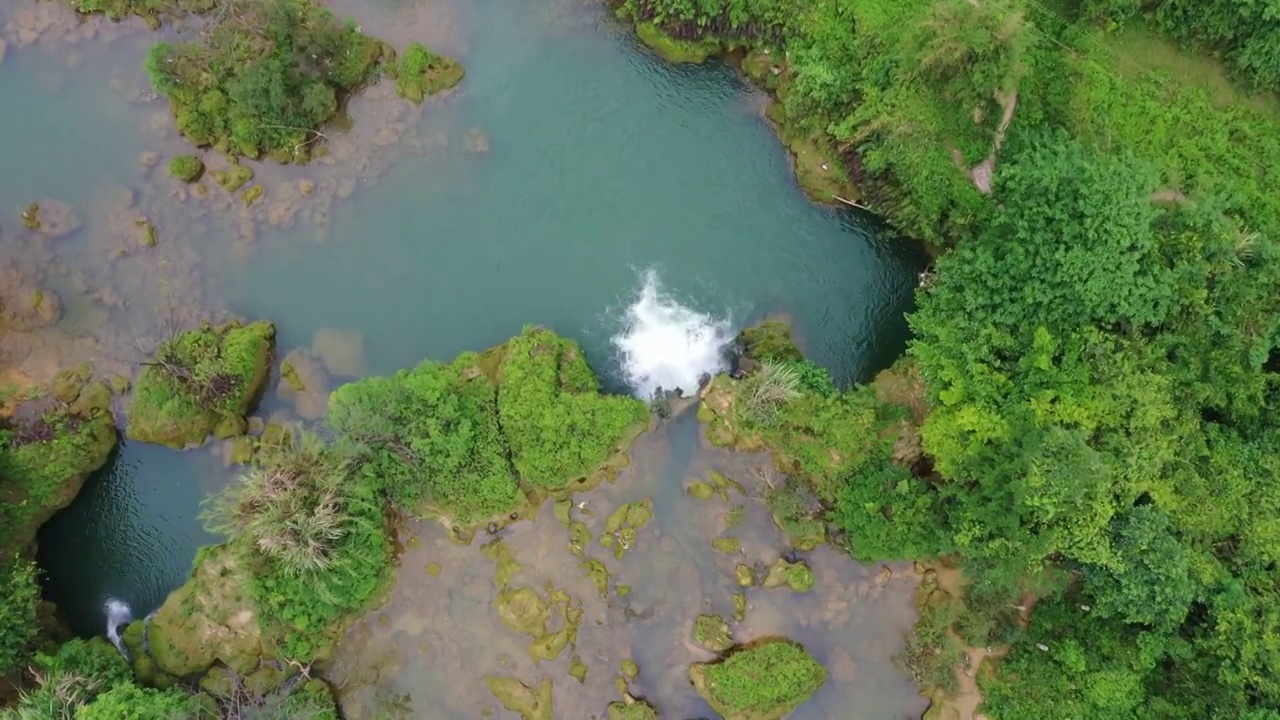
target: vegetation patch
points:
(623, 524)
(559, 427)
(263, 78)
(199, 381)
(430, 437)
(187, 168)
(418, 73)
(763, 681)
(313, 539)
(712, 633)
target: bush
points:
(80, 671)
(767, 680)
(314, 540)
(420, 72)
(187, 168)
(199, 379)
(292, 506)
(263, 77)
(127, 701)
(19, 598)
(430, 437)
(559, 427)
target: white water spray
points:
(118, 615)
(666, 345)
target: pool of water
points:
(568, 163)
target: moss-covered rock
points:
(763, 681)
(631, 709)
(233, 179)
(187, 168)
(794, 575)
(528, 703)
(621, 529)
(728, 544)
(198, 380)
(211, 618)
(673, 50)
(769, 340)
(712, 633)
(48, 447)
(419, 72)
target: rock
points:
(304, 384)
(340, 351)
(25, 307)
(712, 632)
(55, 218)
(477, 142)
(700, 490)
(630, 670)
(522, 699)
(795, 575)
(884, 576)
(745, 575)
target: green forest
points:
(1085, 421)
(1097, 340)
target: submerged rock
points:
(620, 530)
(766, 680)
(521, 699)
(631, 709)
(795, 575)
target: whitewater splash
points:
(665, 345)
(118, 615)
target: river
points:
(568, 164)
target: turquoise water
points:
(130, 534)
(568, 162)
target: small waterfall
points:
(118, 615)
(665, 345)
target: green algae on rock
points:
(528, 703)
(187, 168)
(673, 50)
(712, 633)
(199, 380)
(620, 530)
(766, 680)
(418, 72)
(794, 575)
(577, 669)
(233, 179)
(48, 448)
(745, 576)
(243, 86)
(630, 709)
(728, 545)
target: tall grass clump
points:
(771, 387)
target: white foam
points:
(664, 344)
(118, 615)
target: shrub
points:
(430, 437)
(420, 72)
(186, 168)
(80, 671)
(557, 423)
(19, 597)
(198, 379)
(127, 701)
(766, 680)
(263, 77)
(313, 538)
(292, 506)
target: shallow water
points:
(428, 649)
(568, 162)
